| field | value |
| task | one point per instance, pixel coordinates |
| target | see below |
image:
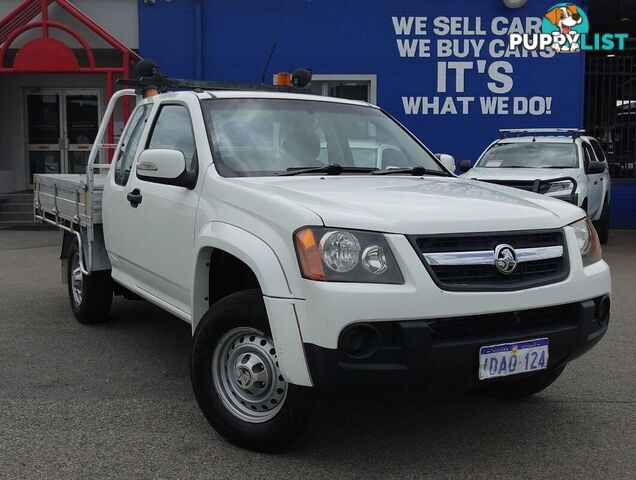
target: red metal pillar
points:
(111, 126)
(44, 7)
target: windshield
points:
(258, 137)
(530, 155)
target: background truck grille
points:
(529, 185)
(487, 277)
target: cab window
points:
(600, 155)
(589, 154)
(173, 130)
(130, 144)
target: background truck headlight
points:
(560, 188)
(337, 255)
(587, 240)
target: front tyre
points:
(523, 386)
(90, 295)
(237, 381)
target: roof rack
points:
(507, 132)
(148, 77)
(164, 84)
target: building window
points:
(352, 87)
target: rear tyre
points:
(521, 387)
(90, 295)
(602, 225)
(237, 381)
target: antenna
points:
(271, 54)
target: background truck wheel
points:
(602, 225)
(520, 387)
(236, 379)
(91, 296)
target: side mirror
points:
(465, 165)
(595, 167)
(447, 160)
(165, 166)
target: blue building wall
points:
(231, 40)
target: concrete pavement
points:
(114, 400)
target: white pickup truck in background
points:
(559, 162)
(245, 214)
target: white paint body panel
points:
(160, 250)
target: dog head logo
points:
(565, 22)
(564, 18)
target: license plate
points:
(513, 358)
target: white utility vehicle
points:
(299, 275)
(559, 162)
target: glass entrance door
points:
(62, 125)
(44, 120)
(81, 121)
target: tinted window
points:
(173, 130)
(268, 136)
(530, 155)
(130, 143)
(600, 155)
(589, 154)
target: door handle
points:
(134, 198)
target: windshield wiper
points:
(334, 169)
(419, 170)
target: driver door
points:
(155, 253)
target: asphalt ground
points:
(114, 400)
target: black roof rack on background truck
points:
(508, 132)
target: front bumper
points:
(309, 326)
(444, 352)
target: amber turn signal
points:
(309, 254)
(596, 252)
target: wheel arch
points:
(253, 253)
(247, 248)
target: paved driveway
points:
(114, 401)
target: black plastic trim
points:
(411, 356)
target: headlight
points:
(560, 187)
(345, 256)
(587, 240)
(340, 251)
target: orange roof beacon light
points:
(147, 68)
(283, 79)
(299, 79)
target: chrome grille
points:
(467, 262)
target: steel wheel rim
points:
(77, 280)
(246, 375)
